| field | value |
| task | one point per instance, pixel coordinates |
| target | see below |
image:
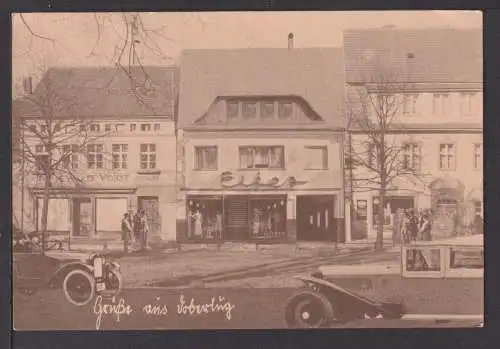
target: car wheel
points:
(114, 283)
(79, 287)
(309, 309)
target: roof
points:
(423, 55)
(105, 92)
(315, 74)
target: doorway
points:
(151, 207)
(82, 217)
(315, 218)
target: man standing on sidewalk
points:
(141, 229)
(126, 232)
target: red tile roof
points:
(422, 55)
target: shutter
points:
(237, 213)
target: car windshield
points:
(466, 258)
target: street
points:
(165, 309)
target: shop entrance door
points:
(315, 218)
(82, 217)
(151, 207)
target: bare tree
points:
(54, 143)
(375, 155)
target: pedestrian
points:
(143, 229)
(425, 231)
(413, 225)
(137, 227)
(126, 232)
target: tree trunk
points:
(45, 210)
(379, 242)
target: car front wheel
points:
(309, 309)
(79, 287)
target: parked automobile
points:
(79, 278)
(434, 280)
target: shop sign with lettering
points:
(230, 180)
(106, 178)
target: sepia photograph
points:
(247, 170)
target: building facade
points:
(260, 146)
(437, 127)
(116, 151)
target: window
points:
(423, 259)
(107, 127)
(83, 128)
(205, 158)
(411, 156)
(145, 127)
(95, 128)
(478, 156)
(467, 103)
(466, 258)
(41, 158)
(410, 104)
(157, 127)
(43, 128)
(148, 156)
(440, 104)
(372, 155)
(95, 156)
(447, 156)
(232, 109)
(478, 207)
(32, 128)
(262, 157)
(120, 127)
(132, 127)
(316, 158)
(249, 110)
(267, 110)
(119, 156)
(285, 110)
(70, 156)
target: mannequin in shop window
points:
(197, 220)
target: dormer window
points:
(285, 110)
(232, 109)
(267, 110)
(249, 110)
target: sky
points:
(73, 36)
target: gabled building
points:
(260, 144)
(438, 125)
(113, 132)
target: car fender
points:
(58, 277)
(351, 304)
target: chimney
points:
(28, 85)
(290, 41)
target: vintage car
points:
(435, 281)
(80, 276)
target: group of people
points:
(135, 230)
(411, 225)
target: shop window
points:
(316, 158)
(262, 157)
(145, 127)
(206, 158)
(267, 217)
(249, 110)
(285, 110)
(204, 218)
(447, 156)
(119, 156)
(411, 156)
(232, 109)
(70, 156)
(478, 156)
(148, 156)
(95, 156)
(267, 110)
